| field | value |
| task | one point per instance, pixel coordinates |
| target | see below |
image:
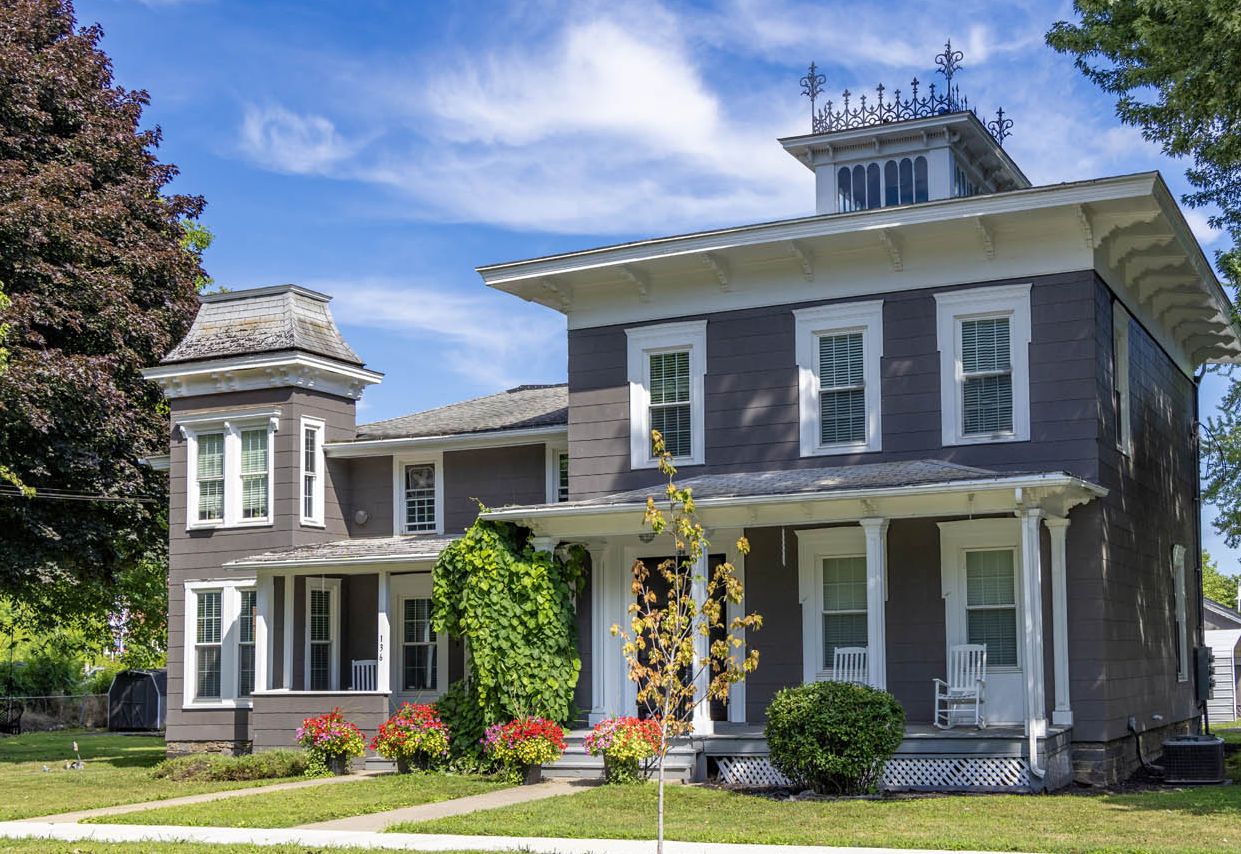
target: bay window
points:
(220, 632)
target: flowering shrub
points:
(415, 735)
(329, 740)
(525, 741)
(624, 743)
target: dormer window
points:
(230, 468)
(898, 182)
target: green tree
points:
(1175, 69)
(680, 647)
(101, 276)
(1215, 585)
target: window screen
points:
(991, 604)
(844, 604)
(842, 393)
(670, 401)
(987, 377)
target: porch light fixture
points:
(647, 538)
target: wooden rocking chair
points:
(966, 687)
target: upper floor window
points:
(984, 342)
(1120, 378)
(838, 349)
(312, 472)
(230, 469)
(420, 496)
(667, 370)
(220, 630)
(898, 182)
(557, 474)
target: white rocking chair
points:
(966, 687)
(363, 676)
(849, 665)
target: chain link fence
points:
(42, 714)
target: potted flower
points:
(523, 746)
(331, 741)
(414, 737)
(624, 743)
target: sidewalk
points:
(400, 841)
(122, 809)
(377, 821)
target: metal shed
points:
(137, 700)
(1225, 702)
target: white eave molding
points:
(448, 442)
(262, 370)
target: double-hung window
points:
(419, 647)
(667, 370)
(832, 587)
(312, 463)
(991, 604)
(844, 603)
(230, 468)
(984, 345)
(838, 349)
(220, 630)
(418, 498)
(557, 473)
(322, 628)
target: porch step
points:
(576, 764)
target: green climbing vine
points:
(514, 606)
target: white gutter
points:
(486, 439)
(951, 487)
(373, 560)
(256, 361)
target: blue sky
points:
(381, 150)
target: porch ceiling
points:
(826, 494)
(361, 553)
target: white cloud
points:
(287, 142)
(485, 338)
(1202, 229)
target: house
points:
(1222, 634)
(950, 407)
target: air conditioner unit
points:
(1193, 759)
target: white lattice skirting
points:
(934, 773)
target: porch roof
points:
(363, 551)
(827, 493)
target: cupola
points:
(902, 148)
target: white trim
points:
(402, 588)
(1058, 527)
(953, 307)
(398, 491)
(551, 456)
(1120, 382)
(876, 531)
(383, 638)
(813, 545)
(315, 520)
(644, 341)
(262, 370)
(1179, 596)
(1032, 623)
(231, 425)
(286, 667)
(230, 611)
(448, 441)
(841, 318)
(332, 585)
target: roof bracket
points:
(804, 257)
(1083, 219)
(639, 280)
(892, 244)
(562, 293)
(717, 266)
(987, 235)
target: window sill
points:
(996, 439)
(207, 705)
(436, 533)
(840, 450)
(679, 462)
(310, 523)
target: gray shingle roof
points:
(263, 320)
(521, 407)
(806, 481)
(366, 549)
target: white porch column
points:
(264, 591)
(600, 632)
(702, 724)
(876, 601)
(287, 672)
(383, 642)
(1058, 526)
(1032, 612)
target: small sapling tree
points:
(680, 646)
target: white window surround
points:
(953, 307)
(1178, 593)
(956, 538)
(414, 586)
(1120, 382)
(843, 318)
(552, 454)
(231, 424)
(398, 490)
(230, 613)
(813, 546)
(332, 585)
(315, 520)
(664, 337)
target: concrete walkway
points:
(122, 809)
(378, 821)
(398, 841)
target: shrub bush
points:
(268, 765)
(462, 713)
(832, 736)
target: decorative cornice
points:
(266, 370)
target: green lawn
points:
(1191, 820)
(1230, 732)
(117, 772)
(303, 806)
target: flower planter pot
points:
(405, 765)
(338, 764)
(621, 770)
(532, 774)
